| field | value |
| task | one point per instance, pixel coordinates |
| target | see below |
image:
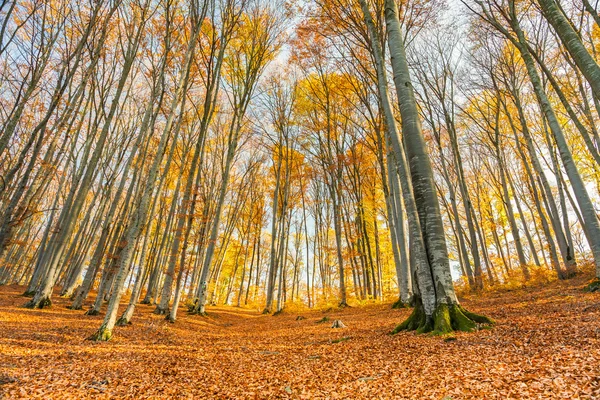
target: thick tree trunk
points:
(436, 308)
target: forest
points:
(300, 199)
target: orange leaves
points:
(545, 345)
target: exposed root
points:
(445, 320)
(29, 293)
(160, 311)
(593, 286)
(194, 309)
(170, 318)
(102, 335)
(400, 304)
(197, 312)
(416, 320)
(123, 321)
(44, 302)
(266, 311)
(480, 319)
(92, 311)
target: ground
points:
(546, 344)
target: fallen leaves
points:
(546, 344)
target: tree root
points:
(44, 302)
(92, 311)
(102, 335)
(398, 304)
(200, 313)
(123, 321)
(160, 311)
(417, 321)
(593, 286)
(445, 320)
(169, 317)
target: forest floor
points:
(546, 344)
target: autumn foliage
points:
(545, 345)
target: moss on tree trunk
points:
(102, 335)
(160, 311)
(44, 302)
(445, 320)
(398, 304)
(170, 318)
(123, 321)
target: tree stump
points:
(338, 324)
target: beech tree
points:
(273, 155)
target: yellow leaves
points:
(595, 37)
(255, 43)
(325, 101)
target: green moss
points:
(123, 321)
(445, 320)
(324, 319)
(593, 286)
(415, 320)
(480, 319)
(442, 320)
(460, 322)
(398, 304)
(102, 335)
(426, 325)
(45, 302)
